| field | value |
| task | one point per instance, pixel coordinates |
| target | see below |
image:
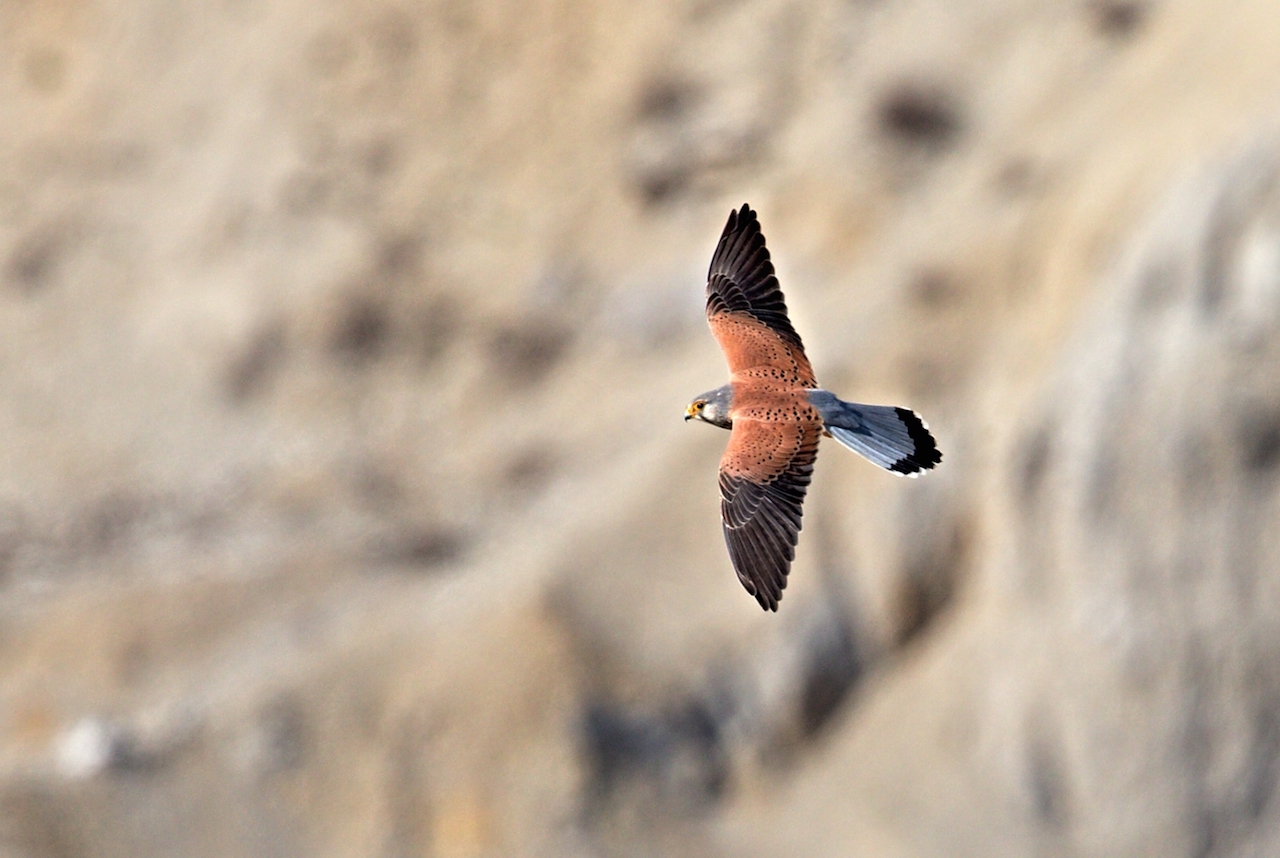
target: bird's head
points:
(712, 407)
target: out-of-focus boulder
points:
(345, 504)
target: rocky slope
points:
(346, 505)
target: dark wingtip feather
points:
(740, 221)
(742, 215)
(741, 276)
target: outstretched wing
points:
(764, 475)
(745, 308)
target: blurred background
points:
(346, 507)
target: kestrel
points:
(776, 413)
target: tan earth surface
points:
(346, 508)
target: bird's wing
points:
(745, 308)
(764, 475)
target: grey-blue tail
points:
(896, 439)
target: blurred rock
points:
(345, 503)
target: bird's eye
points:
(698, 405)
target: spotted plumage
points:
(777, 413)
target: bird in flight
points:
(776, 413)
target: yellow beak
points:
(690, 412)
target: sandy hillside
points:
(346, 507)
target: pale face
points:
(712, 407)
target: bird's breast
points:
(771, 401)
